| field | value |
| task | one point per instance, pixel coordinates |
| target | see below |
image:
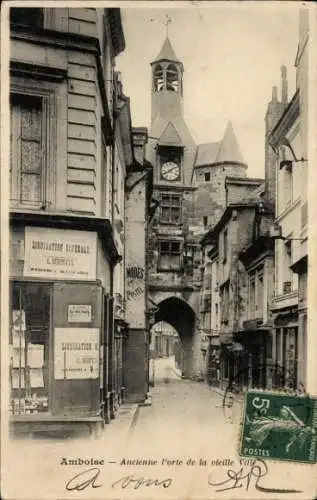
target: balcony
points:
(286, 299)
(170, 281)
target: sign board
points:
(76, 353)
(135, 294)
(60, 254)
(79, 313)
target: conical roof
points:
(170, 137)
(167, 53)
(229, 150)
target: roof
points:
(229, 148)
(167, 53)
(213, 232)
(207, 153)
(244, 180)
(291, 113)
(225, 151)
(170, 136)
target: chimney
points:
(274, 94)
(284, 87)
(140, 137)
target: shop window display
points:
(29, 348)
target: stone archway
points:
(182, 317)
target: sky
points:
(232, 55)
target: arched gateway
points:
(182, 317)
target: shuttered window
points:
(28, 152)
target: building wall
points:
(210, 197)
(135, 254)
(235, 191)
(84, 168)
(76, 109)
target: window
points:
(169, 255)
(28, 141)
(157, 345)
(225, 245)
(205, 221)
(172, 81)
(28, 17)
(260, 294)
(170, 209)
(287, 262)
(256, 292)
(208, 281)
(225, 304)
(287, 185)
(158, 79)
(29, 348)
(207, 176)
(252, 299)
(207, 304)
(104, 176)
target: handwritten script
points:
(245, 477)
(84, 479)
(89, 478)
(136, 483)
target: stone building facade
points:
(71, 155)
(288, 139)
(239, 253)
(214, 162)
(172, 249)
(189, 184)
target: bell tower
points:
(167, 83)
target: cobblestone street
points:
(185, 415)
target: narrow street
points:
(185, 416)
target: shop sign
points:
(79, 313)
(60, 254)
(76, 353)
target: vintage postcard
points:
(158, 250)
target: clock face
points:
(170, 171)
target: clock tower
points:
(171, 150)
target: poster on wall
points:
(79, 313)
(60, 254)
(135, 294)
(76, 353)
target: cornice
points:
(54, 38)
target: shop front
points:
(254, 360)
(286, 351)
(58, 336)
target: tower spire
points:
(167, 22)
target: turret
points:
(167, 83)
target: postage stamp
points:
(279, 426)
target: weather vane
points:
(167, 22)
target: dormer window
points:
(172, 79)
(158, 79)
